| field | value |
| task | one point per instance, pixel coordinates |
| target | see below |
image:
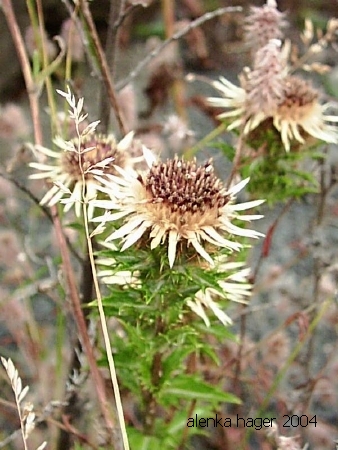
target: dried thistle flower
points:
(294, 103)
(301, 112)
(263, 24)
(176, 201)
(82, 158)
(75, 166)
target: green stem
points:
(190, 152)
(37, 21)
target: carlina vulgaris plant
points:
(185, 217)
(177, 252)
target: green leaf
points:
(175, 361)
(178, 423)
(191, 388)
(217, 330)
(139, 441)
(227, 149)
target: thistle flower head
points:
(263, 24)
(72, 168)
(267, 92)
(93, 149)
(300, 112)
(178, 201)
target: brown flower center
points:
(298, 93)
(185, 187)
(102, 147)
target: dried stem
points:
(105, 332)
(32, 89)
(194, 24)
(103, 64)
(116, 7)
(81, 323)
(74, 15)
(71, 409)
(45, 63)
(126, 10)
(268, 238)
(78, 117)
(168, 12)
(317, 269)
